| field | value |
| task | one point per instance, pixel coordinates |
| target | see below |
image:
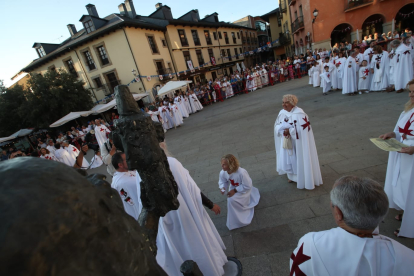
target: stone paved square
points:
(243, 126)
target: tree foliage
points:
(47, 98)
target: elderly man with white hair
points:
(355, 247)
(296, 153)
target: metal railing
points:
(297, 24)
(350, 4)
(164, 71)
(284, 39)
(282, 6)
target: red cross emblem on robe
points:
(339, 63)
(101, 130)
(407, 52)
(234, 183)
(306, 124)
(75, 149)
(406, 130)
(300, 258)
(329, 76)
(366, 72)
(48, 158)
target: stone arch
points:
(341, 33)
(405, 18)
(373, 24)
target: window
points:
(102, 55)
(300, 11)
(164, 43)
(187, 57)
(152, 44)
(183, 38)
(296, 15)
(219, 33)
(89, 60)
(226, 38)
(98, 82)
(71, 68)
(229, 54)
(234, 37)
(237, 54)
(241, 51)
(238, 35)
(160, 67)
(112, 80)
(260, 26)
(200, 57)
(210, 53)
(41, 52)
(223, 52)
(89, 27)
(208, 38)
(195, 37)
(215, 35)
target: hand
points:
(231, 193)
(372, 71)
(387, 135)
(216, 209)
(349, 66)
(407, 150)
(364, 78)
(286, 133)
(85, 148)
(113, 150)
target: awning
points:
(112, 103)
(172, 86)
(21, 133)
(71, 116)
(4, 139)
(97, 107)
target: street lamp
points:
(315, 14)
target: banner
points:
(190, 65)
(213, 61)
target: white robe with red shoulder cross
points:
(399, 181)
(336, 252)
(240, 207)
(301, 163)
(126, 185)
(73, 153)
(100, 133)
(403, 70)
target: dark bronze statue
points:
(139, 137)
(56, 222)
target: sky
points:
(24, 22)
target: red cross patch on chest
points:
(234, 183)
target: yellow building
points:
(20, 78)
(124, 46)
(274, 18)
(286, 36)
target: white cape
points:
(63, 156)
(73, 153)
(308, 173)
(403, 70)
(100, 133)
(349, 78)
(400, 177)
(240, 207)
(126, 185)
(96, 162)
(336, 252)
(379, 80)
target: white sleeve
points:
(246, 182)
(223, 182)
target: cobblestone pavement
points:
(243, 126)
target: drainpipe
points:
(169, 51)
(84, 71)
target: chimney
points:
(122, 9)
(92, 10)
(158, 5)
(130, 8)
(72, 29)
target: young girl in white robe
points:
(175, 113)
(310, 72)
(363, 82)
(316, 73)
(326, 83)
(242, 197)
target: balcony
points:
(355, 4)
(282, 6)
(244, 41)
(284, 39)
(292, 2)
(164, 71)
(197, 42)
(248, 40)
(298, 24)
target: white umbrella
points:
(71, 116)
(112, 103)
(172, 86)
(238, 67)
(244, 67)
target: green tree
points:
(53, 95)
(11, 109)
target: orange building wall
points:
(332, 13)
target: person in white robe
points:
(96, 161)
(257, 79)
(298, 158)
(46, 154)
(317, 71)
(379, 65)
(107, 151)
(196, 103)
(310, 73)
(181, 106)
(242, 197)
(191, 103)
(400, 174)
(392, 63)
(403, 71)
(349, 79)
(334, 78)
(167, 120)
(265, 77)
(73, 153)
(363, 81)
(175, 114)
(354, 247)
(340, 65)
(358, 60)
(331, 68)
(326, 81)
(186, 104)
(253, 85)
(63, 156)
(153, 114)
(51, 147)
(101, 132)
(229, 89)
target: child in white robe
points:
(242, 197)
(326, 83)
(363, 82)
(96, 161)
(175, 114)
(310, 72)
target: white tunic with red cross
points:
(101, 134)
